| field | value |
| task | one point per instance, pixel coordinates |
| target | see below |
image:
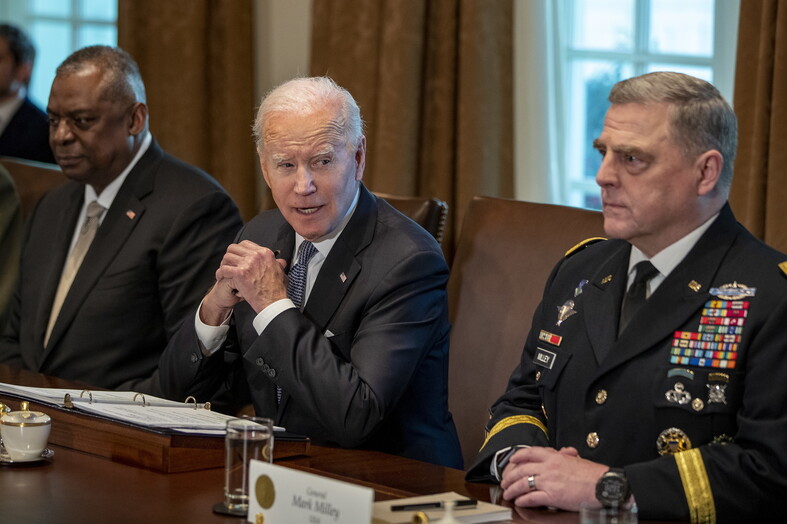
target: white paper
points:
(286, 495)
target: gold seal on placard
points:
(265, 491)
(672, 440)
(420, 518)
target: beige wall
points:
(281, 41)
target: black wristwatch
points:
(612, 489)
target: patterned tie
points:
(85, 238)
(637, 293)
(296, 286)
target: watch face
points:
(612, 489)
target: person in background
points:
(113, 259)
(329, 312)
(653, 370)
(24, 132)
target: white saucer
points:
(6, 459)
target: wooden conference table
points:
(75, 486)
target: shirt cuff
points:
(500, 460)
(267, 315)
(211, 337)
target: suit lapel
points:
(122, 217)
(341, 267)
(684, 291)
(62, 235)
(605, 293)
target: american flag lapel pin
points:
(130, 214)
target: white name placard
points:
(283, 495)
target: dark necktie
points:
(637, 293)
(296, 284)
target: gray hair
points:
(700, 118)
(307, 95)
(123, 80)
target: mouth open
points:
(307, 210)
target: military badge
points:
(578, 289)
(565, 311)
(717, 388)
(734, 291)
(671, 441)
(551, 338)
(679, 394)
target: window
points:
(596, 43)
(57, 28)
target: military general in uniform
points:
(656, 358)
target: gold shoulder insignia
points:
(585, 243)
(783, 267)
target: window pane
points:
(604, 24)
(682, 27)
(53, 42)
(102, 10)
(704, 72)
(61, 8)
(589, 85)
(92, 34)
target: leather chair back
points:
(505, 253)
(32, 179)
(429, 213)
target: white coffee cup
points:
(25, 433)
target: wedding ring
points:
(531, 481)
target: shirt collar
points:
(668, 258)
(9, 108)
(109, 193)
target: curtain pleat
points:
(196, 59)
(759, 188)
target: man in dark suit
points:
(655, 360)
(352, 347)
(24, 132)
(163, 227)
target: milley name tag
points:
(281, 494)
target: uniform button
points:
(601, 396)
(538, 376)
(697, 404)
(271, 372)
(194, 358)
(592, 440)
(259, 361)
(265, 367)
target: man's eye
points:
(83, 122)
(53, 122)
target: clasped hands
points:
(560, 478)
(247, 272)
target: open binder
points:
(130, 407)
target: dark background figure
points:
(24, 131)
(162, 228)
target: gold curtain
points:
(434, 80)
(759, 188)
(196, 58)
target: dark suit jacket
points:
(27, 135)
(151, 261)
(735, 416)
(365, 364)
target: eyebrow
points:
(624, 150)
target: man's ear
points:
(709, 166)
(360, 159)
(139, 118)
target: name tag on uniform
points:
(544, 358)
